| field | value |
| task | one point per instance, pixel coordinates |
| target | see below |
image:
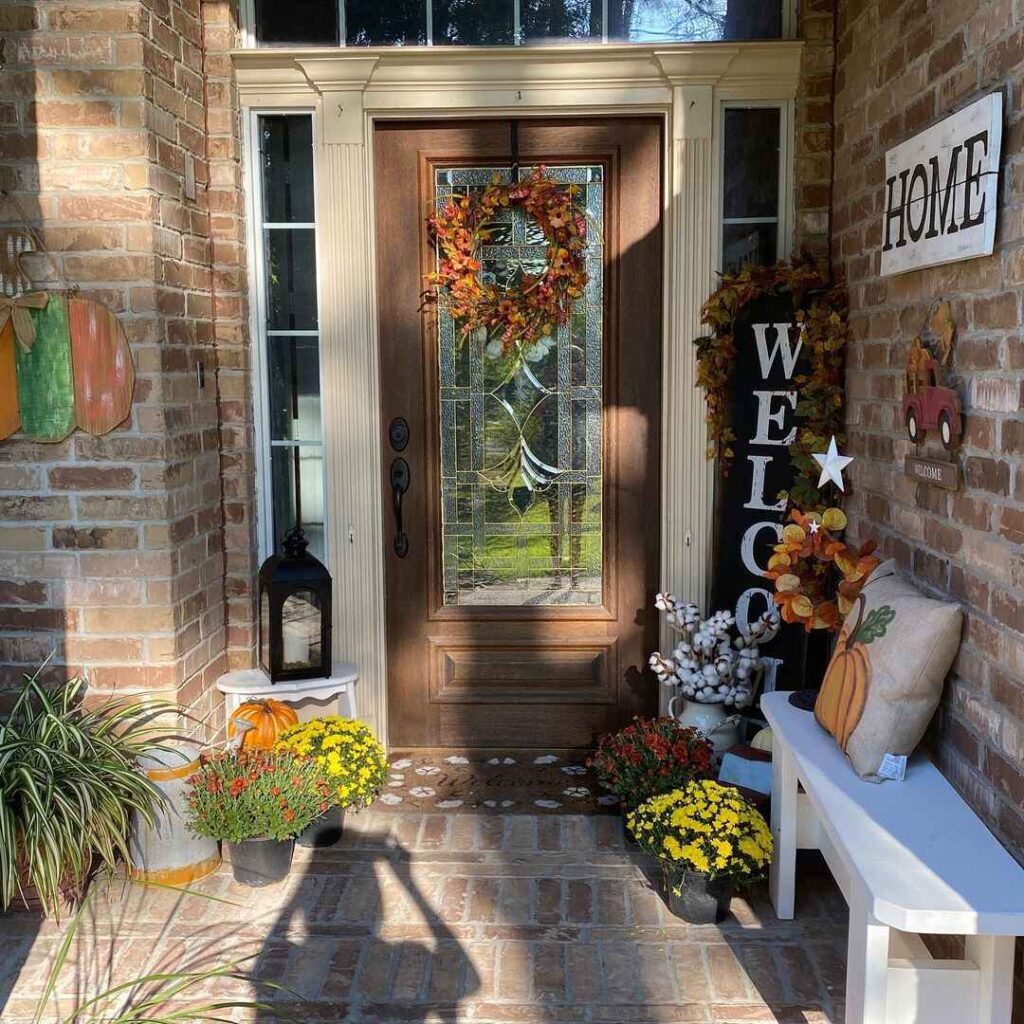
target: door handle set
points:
(399, 476)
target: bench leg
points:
(867, 966)
(782, 874)
(994, 956)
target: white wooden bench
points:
(911, 859)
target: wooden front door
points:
(520, 600)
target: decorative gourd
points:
(844, 691)
(268, 718)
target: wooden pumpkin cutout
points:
(46, 394)
(10, 415)
(844, 691)
(103, 371)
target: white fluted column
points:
(351, 402)
(687, 476)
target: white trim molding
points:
(351, 89)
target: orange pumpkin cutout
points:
(267, 718)
(844, 691)
(10, 413)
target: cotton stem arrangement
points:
(709, 664)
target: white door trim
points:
(349, 89)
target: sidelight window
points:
(287, 326)
(753, 162)
(511, 22)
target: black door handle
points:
(399, 477)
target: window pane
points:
(473, 22)
(520, 432)
(303, 465)
(560, 19)
(286, 145)
(385, 22)
(291, 279)
(748, 243)
(302, 22)
(751, 186)
(645, 21)
(294, 389)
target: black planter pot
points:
(259, 862)
(699, 899)
(325, 831)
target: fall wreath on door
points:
(517, 315)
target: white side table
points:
(255, 684)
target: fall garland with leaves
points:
(820, 308)
(517, 316)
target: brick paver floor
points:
(459, 918)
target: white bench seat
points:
(910, 857)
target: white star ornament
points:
(832, 465)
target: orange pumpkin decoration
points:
(844, 691)
(268, 718)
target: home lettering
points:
(929, 196)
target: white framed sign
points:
(941, 190)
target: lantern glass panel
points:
(265, 631)
(300, 630)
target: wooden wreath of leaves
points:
(537, 304)
(822, 309)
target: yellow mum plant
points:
(348, 753)
(704, 827)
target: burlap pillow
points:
(886, 676)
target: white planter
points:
(714, 721)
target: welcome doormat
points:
(507, 782)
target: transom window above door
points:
(512, 22)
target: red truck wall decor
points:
(927, 403)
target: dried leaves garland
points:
(516, 315)
(820, 309)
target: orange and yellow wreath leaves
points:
(803, 567)
(539, 304)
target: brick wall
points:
(901, 67)
(812, 164)
(112, 549)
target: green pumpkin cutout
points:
(46, 392)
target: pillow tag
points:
(893, 766)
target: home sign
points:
(941, 188)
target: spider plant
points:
(157, 996)
(69, 784)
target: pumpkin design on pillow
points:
(844, 691)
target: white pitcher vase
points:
(713, 721)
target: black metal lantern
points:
(295, 613)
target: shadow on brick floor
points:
(467, 918)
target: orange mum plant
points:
(804, 564)
(520, 315)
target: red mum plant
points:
(256, 794)
(650, 756)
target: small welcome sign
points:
(941, 190)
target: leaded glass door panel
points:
(521, 431)
(521, 489)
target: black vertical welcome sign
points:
(749, 512)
